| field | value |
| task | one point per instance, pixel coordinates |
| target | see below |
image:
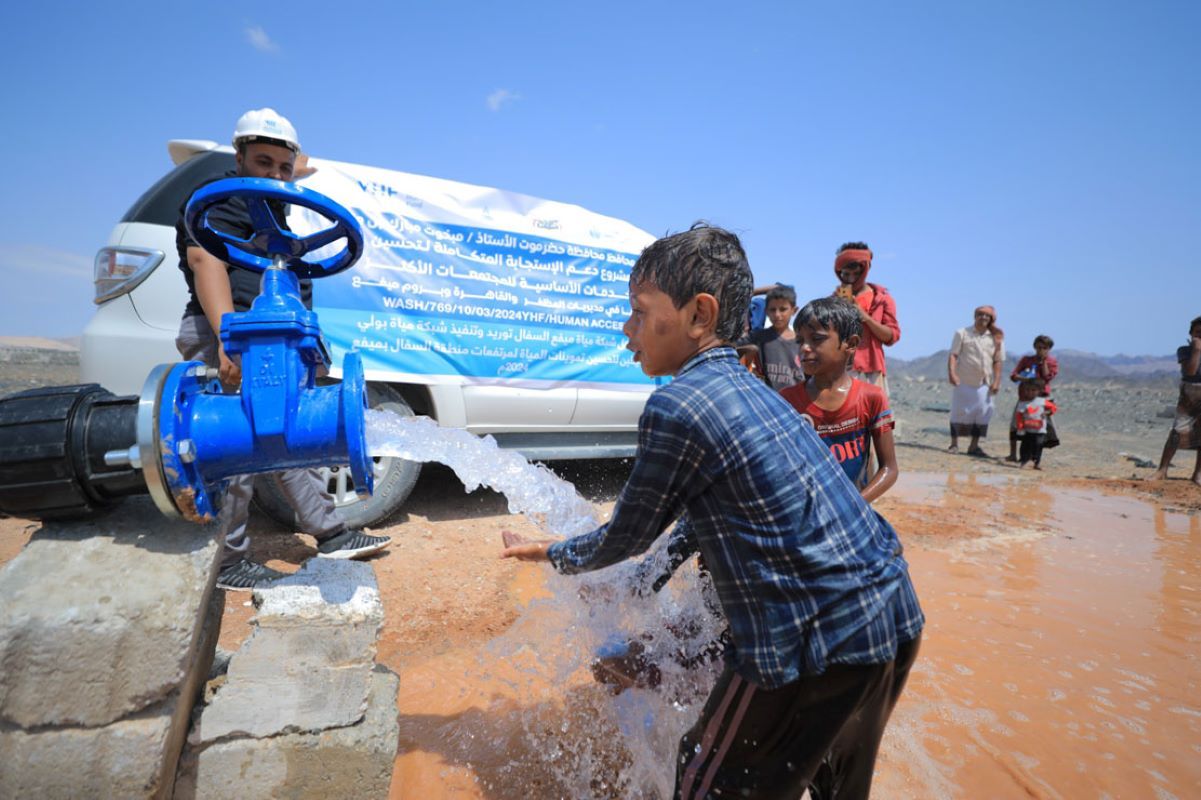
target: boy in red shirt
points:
(877, 313)
(851, 416)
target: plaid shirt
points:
(807, 573)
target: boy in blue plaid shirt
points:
(824, 621)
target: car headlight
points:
(120, 269)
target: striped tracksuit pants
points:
(819, 732)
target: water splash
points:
(672, 633)
(602, 742)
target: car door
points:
(493, 407)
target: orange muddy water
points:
(1060, 660)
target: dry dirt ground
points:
(444, 589)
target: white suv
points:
(140, 296)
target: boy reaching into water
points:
(824, 622)
(850, 415)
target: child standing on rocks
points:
(1186, 429)
(824, 621)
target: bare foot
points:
(1038, 467)
(953, 448)
(1011, 459)
(1157, 475)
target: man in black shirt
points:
(267, 147)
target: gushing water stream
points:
(547, 500)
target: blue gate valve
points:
(191, 435)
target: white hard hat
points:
(266, 123)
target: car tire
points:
(394, 479)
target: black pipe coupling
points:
(52, 451)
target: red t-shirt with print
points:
(847, 430)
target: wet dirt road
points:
(1062, 657)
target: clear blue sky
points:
(1041, 157)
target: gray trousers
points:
(304, 488)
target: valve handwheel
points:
(269, 241)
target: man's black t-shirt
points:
(230, 217)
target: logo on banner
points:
(373, 187)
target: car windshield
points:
(160, 204)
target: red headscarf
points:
(854, 257)
(997, 333)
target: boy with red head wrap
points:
(877, 312)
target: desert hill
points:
(1073, 365)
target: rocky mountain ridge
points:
(1073, 365)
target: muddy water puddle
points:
(1060, 660)
(1062, 655)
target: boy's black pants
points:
(820, 732)
(1032, 447)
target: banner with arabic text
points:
(466, 282)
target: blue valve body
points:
(281, 419)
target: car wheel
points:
(394, 479)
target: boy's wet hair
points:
(782, 292)
(704, 259)
(830, 313)
(1043, 338)
(853, 246)
(1194, 324)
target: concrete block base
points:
(307, 664)
(99, 618)
(352, 761)
(136, 756)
